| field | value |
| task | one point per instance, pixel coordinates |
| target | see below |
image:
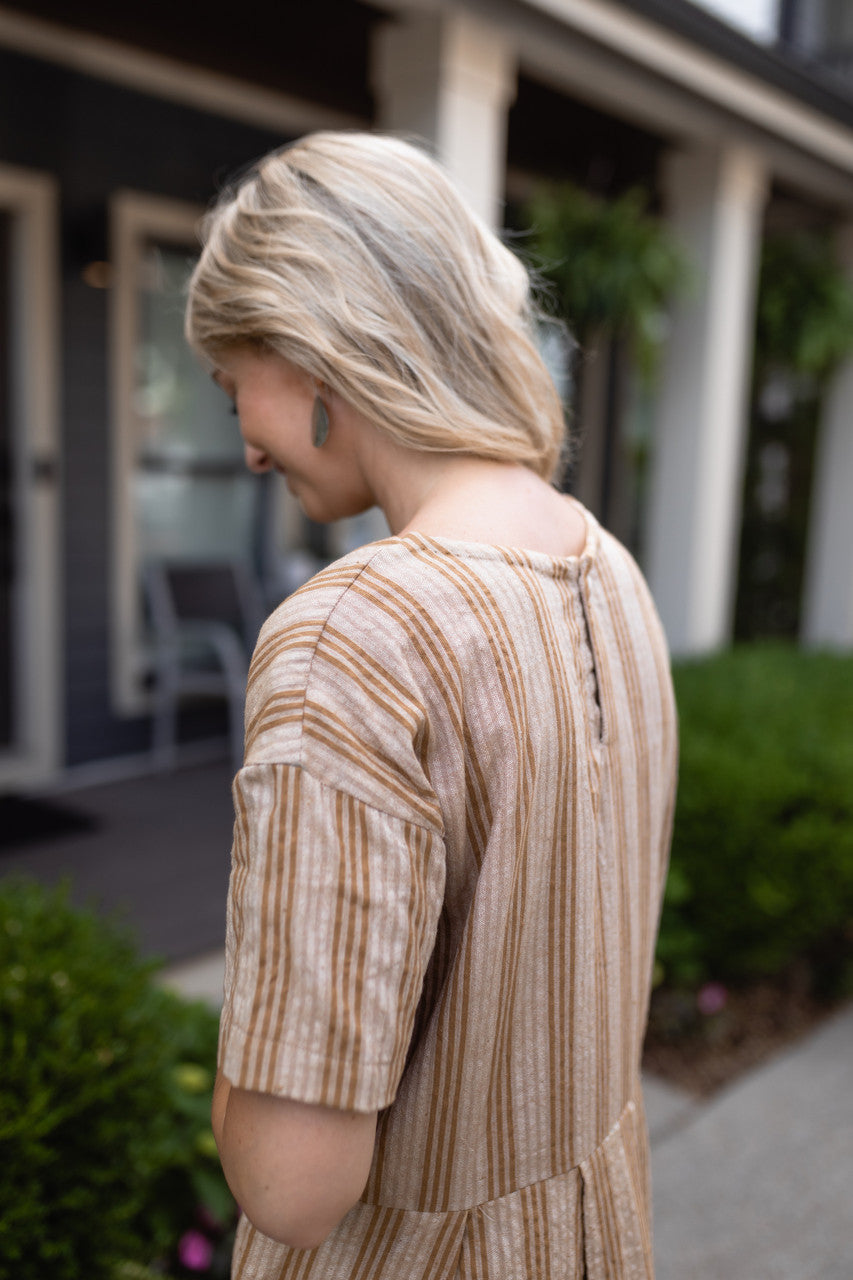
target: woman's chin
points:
(324, 509)
(313, 506)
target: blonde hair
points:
(353, 257)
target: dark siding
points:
(96, 137)
(318, 51)
(558, 137)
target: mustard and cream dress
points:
(450, 843)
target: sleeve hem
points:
(286, 1070)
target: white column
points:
(715, 202)
(828, 594)
(448, 79)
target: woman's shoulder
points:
(380, 592)
(370, 603)
(336, 686)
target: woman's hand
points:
(294, 1168)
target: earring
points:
(319, 424)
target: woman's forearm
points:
(295, 1169)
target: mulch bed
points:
(703, 1052)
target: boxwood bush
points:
(108, 1163)
(762, 859)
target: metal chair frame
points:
(189, 610)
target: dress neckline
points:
(557, 566)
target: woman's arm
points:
(295, 1168)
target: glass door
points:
(193, 498)
(181, 489)
(30, 614)
(7, 511)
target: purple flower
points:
(195, 1251)
(711, 998)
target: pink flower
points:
(195, 1251)
(711, 998)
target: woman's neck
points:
(479, 500)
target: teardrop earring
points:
(319, 423)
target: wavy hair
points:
(353, 257)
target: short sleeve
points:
(332, 914)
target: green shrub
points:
(762, 857)
(107, 1155)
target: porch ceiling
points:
(662, 66)
(671, 68)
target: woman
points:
(453, 816)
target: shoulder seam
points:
(374, 808)
(355, 577)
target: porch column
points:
(828, 591)
(715, 202)
(448, 80)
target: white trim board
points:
(163, 77)
(31, 199)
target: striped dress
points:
(450, 843)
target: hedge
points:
(108, 1162)
(762, 860)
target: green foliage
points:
(104, 1098)
(612, 264)
(805, 306)
(762, 858)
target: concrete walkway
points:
(757, 1184)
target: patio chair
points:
(205, 618)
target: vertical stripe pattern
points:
(450, 839)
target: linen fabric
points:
(450, 843)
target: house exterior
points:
(114, 137)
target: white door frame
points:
(31, 199)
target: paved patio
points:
(159, 853)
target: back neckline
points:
(558, 566)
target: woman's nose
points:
(256, 459)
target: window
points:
(180, 486)
(181, 490)
(191, 494)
